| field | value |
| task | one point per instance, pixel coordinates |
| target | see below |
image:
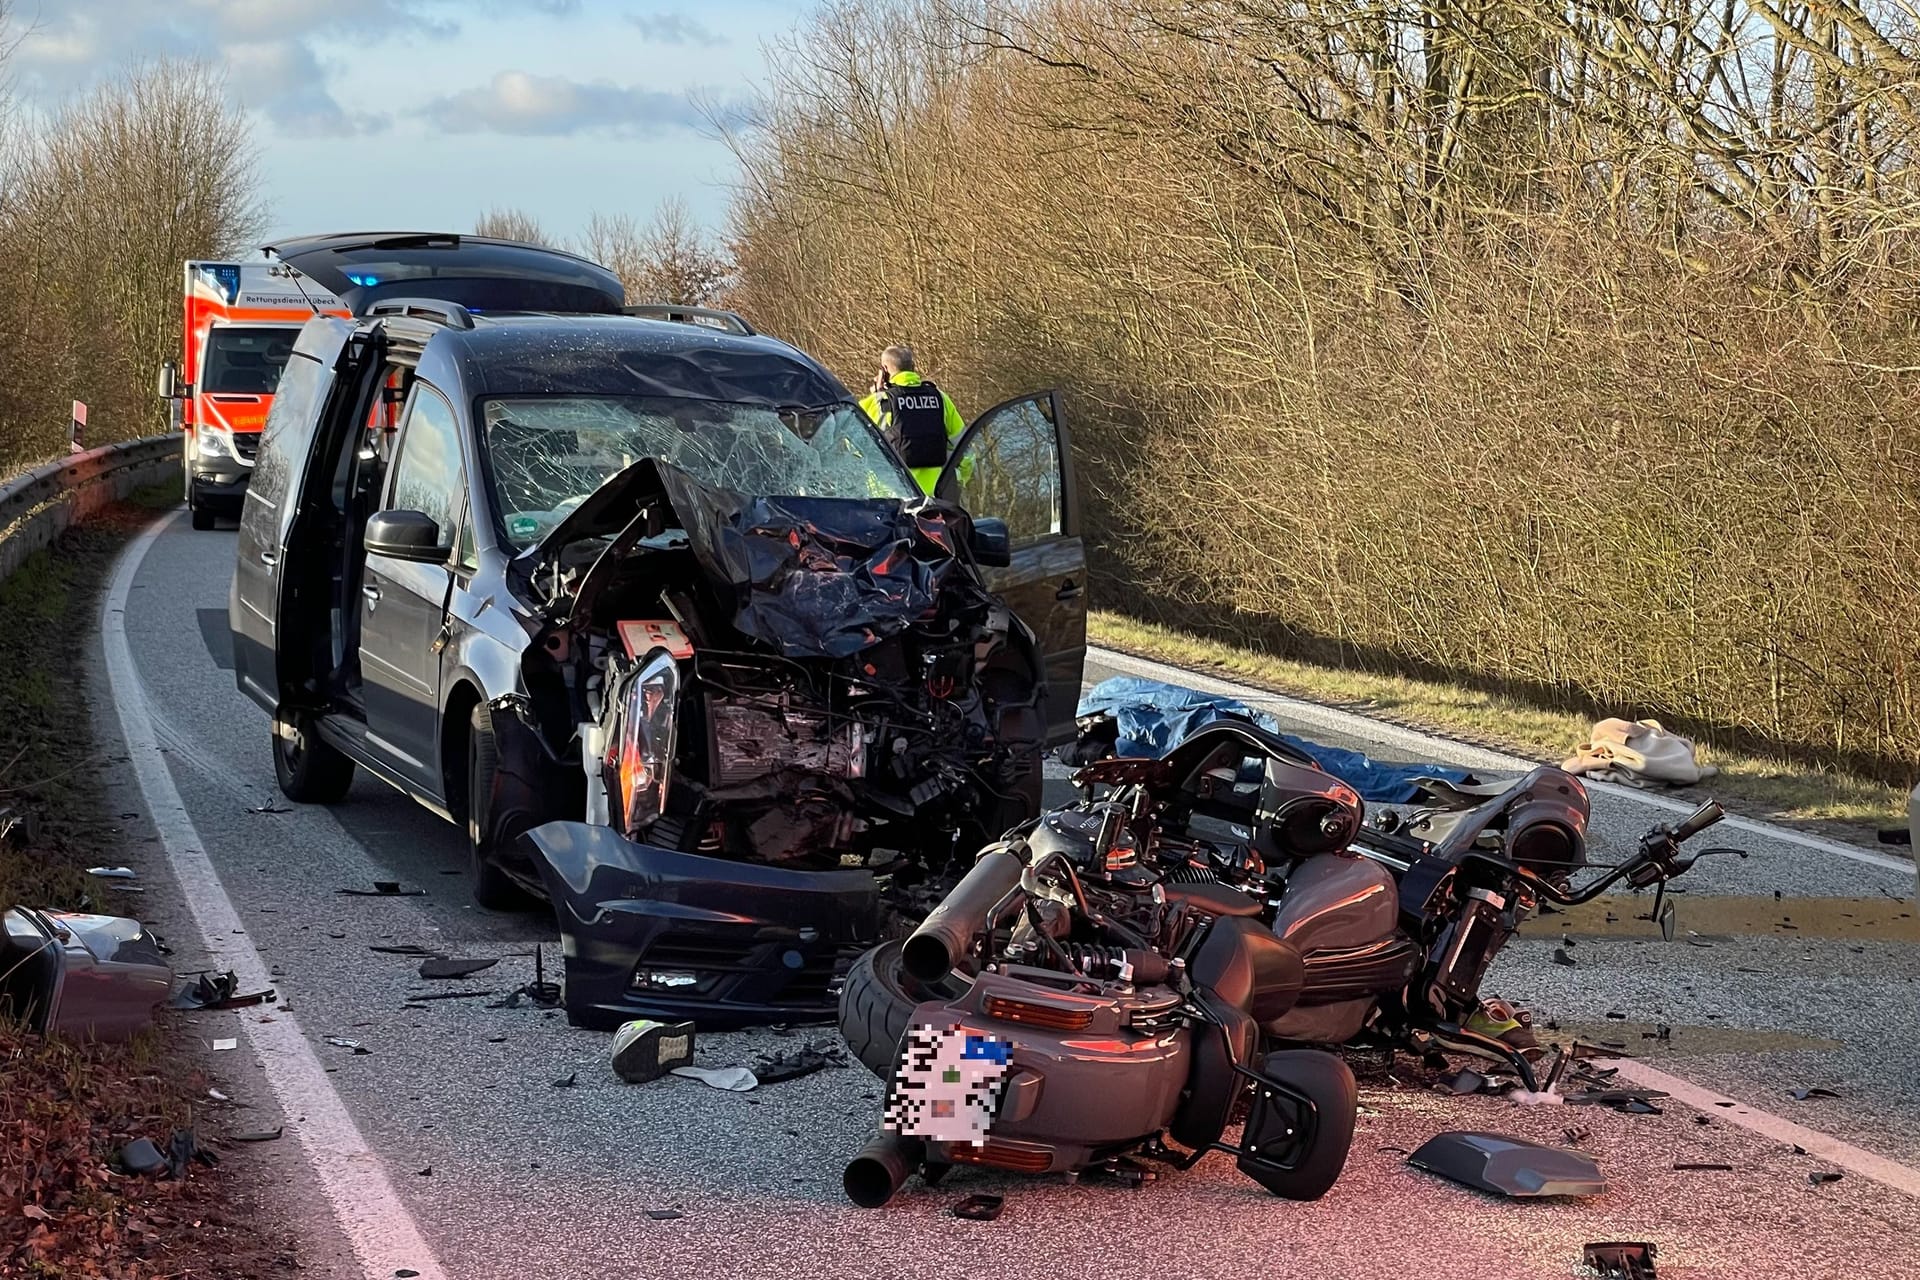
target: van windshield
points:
(243, 360)
(547, 454)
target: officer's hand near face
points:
(880, 379)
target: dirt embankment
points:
(67, 1109)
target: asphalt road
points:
(503, 1173)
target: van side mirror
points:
(406, 535)
(992, 544)
(169, 384)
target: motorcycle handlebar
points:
(933, 950)
(1699, 820)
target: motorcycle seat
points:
(1250, 968)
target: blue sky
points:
(424, 113)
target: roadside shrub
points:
(1563, 349)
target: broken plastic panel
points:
(82, 977)
(655, 933)
(1506, 1166)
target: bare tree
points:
(1429, 334)
(101, 206)
(670, 259)
(508, 223)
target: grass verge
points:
(66, 1109)
(1835, 804)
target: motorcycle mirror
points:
(1666, 921)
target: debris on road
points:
(571, 1079)
(217, 991)
(1803, 1095)
(1702, 1167)
(1823, 1177)
(664, 1215)
(222, 1045)
(445, 967)
(385, 889)
(184, 1149)
(732, 1079)
(813, 1056)
(341, 1042)
(1621, 1261)
(81, 977)
(1507, 1166)
(1561, 957)
(114, 873)
(645, 1050)
(405, 949)
(258, 1135)
(140, 1156)
(979, 1208)
(268, 807)
(420, 997)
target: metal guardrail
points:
(40, 505)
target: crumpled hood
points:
(812, 577)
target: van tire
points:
(309, 770)
(492, 888)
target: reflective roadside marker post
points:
(76, 445)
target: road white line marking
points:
(1887, 1172)
(383, 1234)
(1467, 756)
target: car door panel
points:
(287, 449)
(1016, 463)
(403, 604)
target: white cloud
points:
(674, 28)
(263, 45)
(518, 102)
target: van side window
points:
(428, 477)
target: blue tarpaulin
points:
(1153, 717)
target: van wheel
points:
(202, 518)
(492, 888)
(309, 771)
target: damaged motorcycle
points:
(1228, 898)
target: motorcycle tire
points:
(877, 1003)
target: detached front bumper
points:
(654, 933)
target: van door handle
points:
(269, 558)
(1069, 590)
(371, 592)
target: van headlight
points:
(640, 757)
(209, 443)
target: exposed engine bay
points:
(803, 683)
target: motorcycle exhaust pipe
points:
(881, 1168)
(937, 945)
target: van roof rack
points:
(707, 317)
(450, 314)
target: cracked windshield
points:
(549, 453)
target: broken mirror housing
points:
(81, 977)
(655, 933)
(1512, 1167)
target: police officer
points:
(917, 418)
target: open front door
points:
(1016, 463)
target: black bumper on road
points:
(654, 933)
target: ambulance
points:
(241, 322)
